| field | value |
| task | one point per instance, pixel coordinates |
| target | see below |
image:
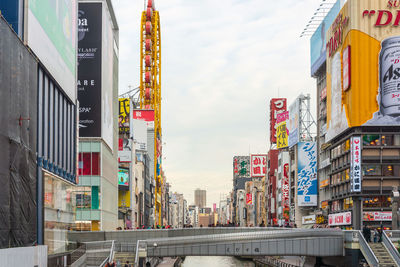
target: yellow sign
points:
(123, 117)
(281, 135)
(324, 183)
(124, 199)
(363, 63)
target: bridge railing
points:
(388, 242)
(367, 251)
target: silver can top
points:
(391, 41)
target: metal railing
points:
(387, 242)
(110, 257)
(274, 262)
(367, 251)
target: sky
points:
(222, 61)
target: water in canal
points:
(197, 261)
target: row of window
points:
(381, 140)
(339, 205)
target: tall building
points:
(200, 198)
(97, 194)
(38, 114)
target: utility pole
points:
(395, 208)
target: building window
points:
(371, 140)
(388, 170)
(377, 202)
(89, 163)
(84, 197)
(348, 203)
(387, 140)
(371, 170)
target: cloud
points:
(221, 63)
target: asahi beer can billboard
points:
(363, 66)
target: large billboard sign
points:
(146, 115)
(276, 106)
(363, 90)
(307, 182)
(123, 178)
(241, 166)
(123, 117)
(318, 39)
(89, 69)
(124, 150)
(258, 165)
(338, 219)
(52, 37)
(139, 134)
(294, 123)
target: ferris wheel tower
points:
(150, 89)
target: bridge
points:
(329, 244)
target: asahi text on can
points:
(389, 76)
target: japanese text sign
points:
(276, 106)
(258, 165)
(355, 168)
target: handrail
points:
(367, 251)
(387, 242)
(137, 254)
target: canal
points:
(197, 261)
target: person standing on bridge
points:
(367, 233)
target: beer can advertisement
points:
(307, 182)
(363, 66)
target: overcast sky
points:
(222, 61)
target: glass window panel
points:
(388, 170)
(371, 170)
(95, 163)
(371, 140)
(387, 140)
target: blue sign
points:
(307, 182)
(318, 39)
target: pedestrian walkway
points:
(383, 256)
(168, 262)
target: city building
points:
(97, 194)
(38, 114)
(193, 213)
(253, 191)
(200, 198)
(179, 215)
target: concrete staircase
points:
(123, 257)
(384, 258)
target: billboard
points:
(51, 34)
(258, 165)
(276, 106)
(318, 39)
(374, 216)
(89, 69)
(363, 90)
(146, 115)
(139, 134)
(123, 177)
(355, 164)
(123, 116)
(281, 135)
(294, 121)
(124, 150)
(338, 219)
(286, 192)
(241, 166)
(307, 182)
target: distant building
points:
(200, 198)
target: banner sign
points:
(276, 106)
(89, 69)
(355, 164)
(249, 199)
(258, 165)
(308, 219)
(241, 166)
(123, 117)
(124, 150)
(294, 121)
(307, 183)
(285, 191)
(281, 117)
(377, 216)
(282, 135)
(338, 219)
(144, 115)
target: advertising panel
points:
(241, 166)
(123, 177)
(285, 192)
(363, 90)
(307, 174)
(139, 134)
(258, 165)
(123, 117)
(324, 183)
(144, 115)
(374, 216)
(308, 219)
(249, 199)
(276, 106)
(338, 219)
(355, 164)
(89, 69)
(294, 121)
(124, 150)
(281, 135)
(52, 35)
(318, 39)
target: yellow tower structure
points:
(150, 89)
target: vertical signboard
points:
(123, 179)
(307, 182)
(258, 165)
(124, 150)
(281, 135)
(241, 166)
(355, 164)
(294, 121)
(285, 192)
(123, 117)
(51, 34)
(89, 69)
(276, 106)
(249, 199)
(139, 134)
